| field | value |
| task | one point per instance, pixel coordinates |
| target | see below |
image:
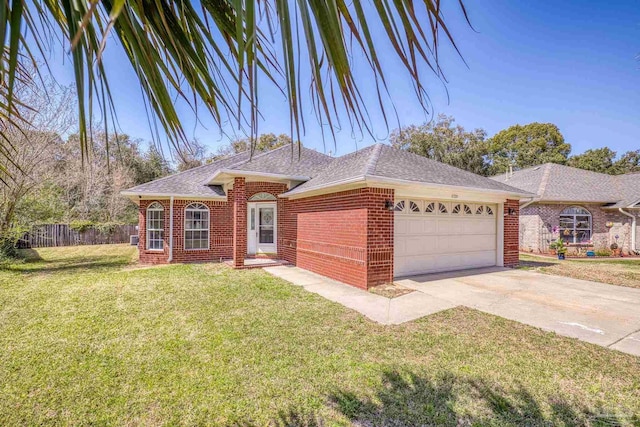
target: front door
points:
(261, 228)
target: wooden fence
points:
(47, 235)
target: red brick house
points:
(588, 210)
(362, 219)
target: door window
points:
(265, 223)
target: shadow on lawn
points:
(406, 399)
(32, 262)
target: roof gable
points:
(385, 162)
(560, 183)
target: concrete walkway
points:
(594, 312)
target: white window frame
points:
(574, 229)
(155, 207)
(201, 208)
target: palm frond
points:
(214, 53)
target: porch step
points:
(258, 263)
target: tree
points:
(596, 160)
(265, 142)
(603, 160)
(522, 146)
(191, 155)
(210, 55)
(47, 107)
(445, 142)
(629, 162)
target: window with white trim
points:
(399, 206)
(155, 227)
(575, 225)
(430, 208)
(413, 207)
(442, 208)
(196, 227)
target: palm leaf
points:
(212, 55)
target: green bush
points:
(107, 227)
(603, 252)
(9, 242)
(81, 225)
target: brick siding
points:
(539, 224)
(511, 233)
(347, 236)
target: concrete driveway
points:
(590, 311)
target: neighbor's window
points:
(575, 225)
(155, 227)
(196, 227)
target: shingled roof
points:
(558, 183)
(197, 182)
(381, 161)
(315, 170)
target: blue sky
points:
(572, 63)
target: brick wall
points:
(511, 233)
(220, 233)
(540, 223)
(347, 236)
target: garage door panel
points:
(443, 242)
(479, 226)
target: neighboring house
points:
(584, 208)
(362, 218)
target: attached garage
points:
(435, 236)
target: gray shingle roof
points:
(190, 182)
(383, 161)
(287, 160)
(376, 161)
(558, 183)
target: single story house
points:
(586, 209)
(363, 218)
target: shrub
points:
(107, 227)
(9, 242)
(81, 225)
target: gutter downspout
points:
(633, 228)
(170, 229)
(533, 200)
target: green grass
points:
(614, 271)
(87, 338)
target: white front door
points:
(261, 228)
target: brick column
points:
(239, 222)
(379, 237)
(511, 233)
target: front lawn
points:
(615, 271)
(87, 337)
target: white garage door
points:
(433, 236)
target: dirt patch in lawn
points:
(613, 272)
(390, 290)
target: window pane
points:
(266, 235)
(583, 235)
(583, 225)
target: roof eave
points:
(382, 179)
(151, 195)
(218, 177)
(379, 180)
